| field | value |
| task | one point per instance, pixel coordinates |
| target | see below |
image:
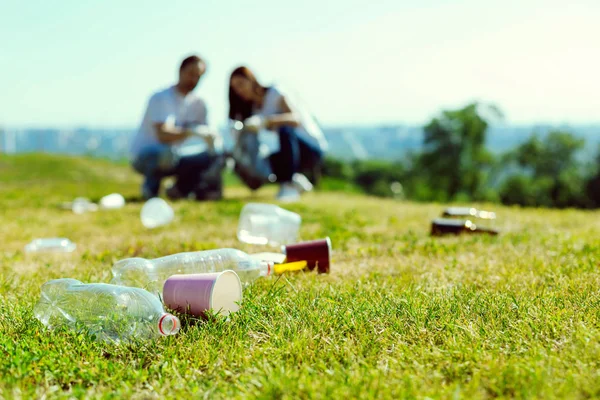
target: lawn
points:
(402, 315)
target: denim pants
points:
(294, 152)
(159, 161)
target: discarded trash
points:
(484, 221)
(289, 267)
(80, 205)
(445, 226)
(196, 294)
(57, 245)
(108, 312)
(151, 274)
(317, 253)
(397, 190)
(112, 201)
(275, 258)
(468, 212)
(251, 164)
(268, 224)
(156, 212)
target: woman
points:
(301, 140)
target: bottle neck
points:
(168, 324)
(266, 268)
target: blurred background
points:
(429, 100)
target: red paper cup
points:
(316, 253)
(197, 293)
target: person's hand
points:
(207, 133)
(255, 123)
(202, 131)
(210, 141)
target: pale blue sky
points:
(68, 63)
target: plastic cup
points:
(317, 253)
(156, 212)
(81, 205)
(263, 224)
(112, 201)
(195, 294)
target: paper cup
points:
(197, 293)
(317, 253)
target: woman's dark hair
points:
(240, 108)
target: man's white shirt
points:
(170, 107)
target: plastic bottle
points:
(57, 245)
(109, 312)
(268, 224)
(151, 274)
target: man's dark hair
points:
(191, 60)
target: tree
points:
(454, 157)
(592, 185)
(551, 156)
(553, 174)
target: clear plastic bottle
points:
(151, 274)
(109, 312)
(268, 224)
(57, 245)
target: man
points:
(172, 116)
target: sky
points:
(71, 63)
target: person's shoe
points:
(174, 193)
(208, 195)
(288, 192)
(301, 182)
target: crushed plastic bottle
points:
(56, 245)
(268, 224)
(112, 201)
(151, 274)
(110, 313)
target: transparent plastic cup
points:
(81, 205)
(156, 212)
(112, 201)
(268, 224)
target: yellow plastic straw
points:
(288, 267)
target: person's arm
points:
(200, 127)
(286, 118)
(169, 134)
(163, 124)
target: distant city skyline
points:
(355, 142)
(70, 64)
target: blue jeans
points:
(159, 161)
(294, 153)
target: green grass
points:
(402, 315)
